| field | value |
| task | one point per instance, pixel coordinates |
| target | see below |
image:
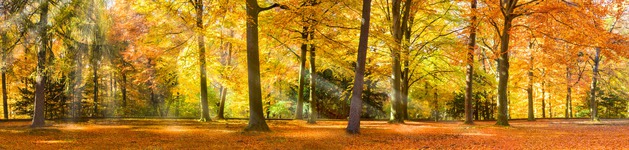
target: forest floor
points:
(296, 134)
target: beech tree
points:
(353, 125)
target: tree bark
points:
(407, 24)
(470, 67)
(529, 89)
(78, 84)
(223, 96)
(221, 107)
(256, 116)
(356, 107)
(123, 87)
(543, 99)
(302, 75)
(396, 111)
(95, 79)
(314, 114)
(38, 117)
(595, 76)
(3, 69)
(503, 74)
(205, 113)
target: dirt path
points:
(189, 134)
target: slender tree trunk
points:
(595, 76)
(205, 114)
(123, 87)
(470, 67)
(550, 107)
(568, 102)
(529, 89)
(256, 116)
(221, 107)
(503, 74)
(95, 81)
(302, 75)
(38, 118)
(4, 94)
(314, 114)
(78, 83)
(543, 99)
(356, 107)
(3, 69)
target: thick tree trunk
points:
(406, 33)
(595, 76)
(205, 113)
(256, 116)
(38, 117)
(302, 75)
(503, 74)
(396, 97)
(470, 68)
(356, 107)
(314, 114)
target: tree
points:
(256, 116)
(508, 11)
(397, 113)
(470, 66)
(205, 114)
(353, 125)
(312, 117)
(38, 116)
(529, 88)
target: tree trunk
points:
(568, 102)
(38, 117)
(256, 116)
(5, 106)
(356, 107)
(302, 75)
(78, 83)
(543, 99)
(595, 76)
(123, 87)
(205, 114)
(470, 68)
(312, 118)
(396, 111)
(95, 80)
(503, 74)
(221, 107)
(223, 96)
(406, 33)
(3, 69)
(529, 89)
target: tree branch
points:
(273, 6)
